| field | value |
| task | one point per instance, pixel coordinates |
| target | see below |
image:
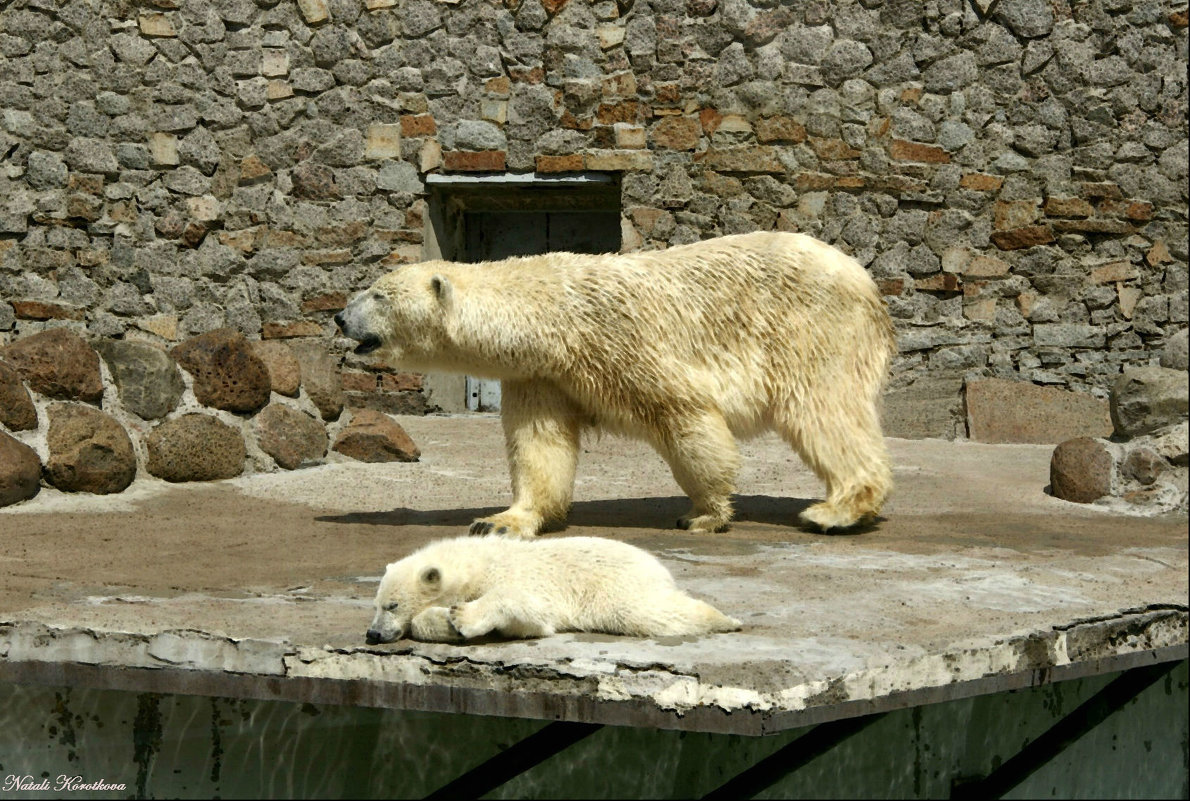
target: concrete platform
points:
(976, 582)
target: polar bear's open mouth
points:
(368, 344)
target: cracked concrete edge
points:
(448, 680)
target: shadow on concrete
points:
(648, 513)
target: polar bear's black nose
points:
(372, 637)
(339, 320)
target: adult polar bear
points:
(686, 348)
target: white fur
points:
(686, 348)
(472, 586)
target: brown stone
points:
(195, 447)
(981, 182)
(760, 158)
(358, 381)
(57, 363)
(1113, 272)
(1007, 215)
(285, 374)
(88, 450)
(779, 129)
(901, 150)
(375, 437)
(1081, 470)
(20, 471)
(281, 329)
(401, 382)
(415, 125)
(328, 301)
(473, 161)
(619, 160)
(939, 282)
(552, 164)
(833, 149)
(320, 378)
(677, 133)
(314, 182)
(499, 86)
(986, 267)
(42, 310)
(1068, 207)
(291, 437)
(253, 170)
(1027, 237)
(1101, 189)
(17, 412)
(813, 181)
(1158, 254)
(624, 111)
(227, 374)
(1002, 411)
(709, 119)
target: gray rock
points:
(291, 437)
(91, 155)
(1027, 18)
(1145, 399)
(195, 447)
(320, 378)
(845, 59)
(147, 380)
(46, 170)
(1081, 470)
(478, 135)
(20, 471)
(1174, 356)
(88, 451)
(951, 73)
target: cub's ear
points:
(431, 575)
(443, 290)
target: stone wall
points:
(1012, 172)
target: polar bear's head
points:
(401, 313)
(409, 587)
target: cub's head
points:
(409, 586)
(402, 313)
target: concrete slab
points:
(977, 581)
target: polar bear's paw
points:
(703, 523)
(831, 517)
(469, 620)
(517, 525)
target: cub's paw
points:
(467, 621)
(507, 524)
(433, 625)
(703, 523)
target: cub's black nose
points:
(339, 320)
(372, 637)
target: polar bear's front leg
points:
(433, 625)
(541, 434)
(499, 613)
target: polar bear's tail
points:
(677, 614)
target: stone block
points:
(371, 436)
(44, 310)
(902, 150)
(291, 437)
(163, 149)
(147, 380)
(314, 11)
(1020, 238)
(1174, 356)
(17, 412)
(156, 25)
(195, 447)
(57, 363)
(930, 407)
(20, 471)
(1145, 399)
(383, 141)
(677, 133)
(1081, 470)
(474, 161)
(285, 374)
(320, 378)
(88, 450)
(1003, 411)
(619, 160)
(760, 158)
(227, 374)
(556, 164)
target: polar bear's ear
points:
(431, 575)
(442, 289)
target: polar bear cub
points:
(467, 587)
